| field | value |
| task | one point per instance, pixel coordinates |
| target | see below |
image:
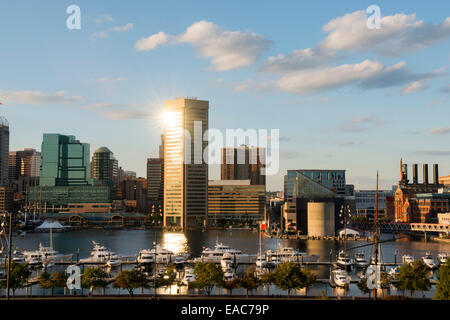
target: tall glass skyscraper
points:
(4, 151)
(65, 161)
(185, 171)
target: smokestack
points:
(425, 174)
(415, 178)
(435, 174)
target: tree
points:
(443, 285)
(59, 280)
(413, 277)
(248, 281)
(130, 280)
(310, 278)
(230, 285)
(289, 276)
(267, 279)
(94, 278)
(47, 281)
(207, 275)
(18, 277)
(362, 285)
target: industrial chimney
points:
(415, 178)
(425, 174)
(435, 174)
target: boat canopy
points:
(349, 232)
(51, 224)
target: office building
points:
(235, 200)
(365, 202)
(104, 167)
(4, 151)
(155, 186)
(445, 180)
(185, 170)
(243, 163)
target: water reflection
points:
(175, 242)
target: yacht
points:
(289, 254)
(99, 254)
(261, 261)
(394, 271)
(340, 278)
(44, 255)
(407, 259)
(215, 255)
(113, 261)
(343, 260)
(228, 274)
(189, 276)
(442, 258)
(179, 260)
(145, 256)
(360, 260)
(165, 256)
(275, 261)
(227, 260)
(429, 261)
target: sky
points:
(343, 95)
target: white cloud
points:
(227, 49)
(440, 130)
(125, 114)
(106, 17)
(36, 97)
(105, 34)
(399, 33)
(414, 87)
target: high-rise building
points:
(185, 171)
(4, 151)
(104, 167)
(24, 163)
(65, 161)
(243, 163)
(155, 185)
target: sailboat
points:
(261, 259)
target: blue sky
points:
(343, 96)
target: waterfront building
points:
(406, 204)
(243, 163)
(104, 167)
(6, 199)
(445, 180)
(65, 175)
(134, 191)
(185, 170)
(444, 218)
(235, 200)
(4, 151)
(365, 202)
(155, 186)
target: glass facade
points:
(61, 196)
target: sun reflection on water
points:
(175, 242)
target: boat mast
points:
(376, 235)
(51, 238)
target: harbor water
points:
(128, 242)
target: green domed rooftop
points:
(102, 150)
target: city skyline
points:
(383, 98)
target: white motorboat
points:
(407, 259)
(99, 254)
(394, 271)
(340, 278)
(261, 261)
(442, 258)
(228, 274)
(145, 256)
(289, 254)
(275, 260)
(189, 276)
(179, 260)
(113, 261)
(429, 261)
(215, 255)
(44, 256)
(343, 260)
(360, 260)
(165, 256)
(18, 256)
(227, 260)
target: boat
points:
(343, 260)
(228, 274)
(189, 276)
(165, 256)
(406, 258)
(275, 261)
(429, 261)
(18, 256)
(113, 261)
(44, 255)
(145, 256)
(289, 254)
(179, 260)
(215, 255)
(99, 254)
(227, 260)
(360, 260)
(340, 278)
(261, 261)
(442, 258)
(394, 271)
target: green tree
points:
(230, 285)
(362, 286)
(413, 277)
(94, 278)
(18, 277)
(267, 279)
(288, 276)
(130, 280)
(59, 280)
(310, 278)
(248, 280)
(207, 276)
(55, 280)
(443, 285)
(45, 282)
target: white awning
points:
(51, 224)
(348, 232)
